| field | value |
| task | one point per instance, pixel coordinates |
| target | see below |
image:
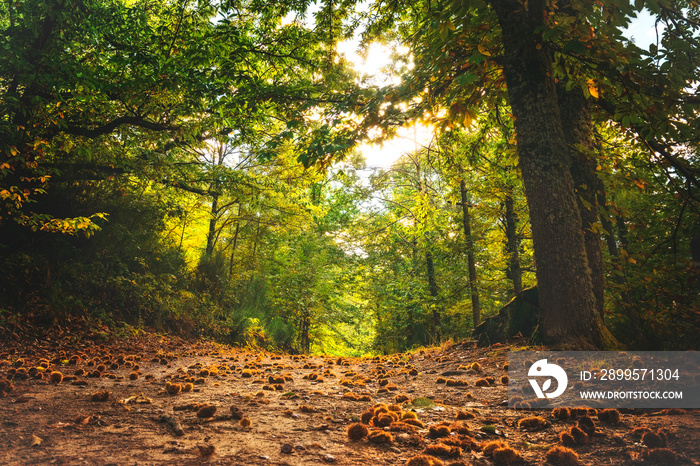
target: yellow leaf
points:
(483, 50)
(632, 261)
(592, 88)
(467, 120)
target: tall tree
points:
(469, 241)
(466, 52)
(568, 311)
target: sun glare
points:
(407, 140)
(374, 66)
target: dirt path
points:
(285, 410)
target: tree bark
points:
(568, 313)
(576, 122)
(473, 285)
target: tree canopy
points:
(193, 166)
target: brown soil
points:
(303, 420)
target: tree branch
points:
(114, 124)
(188, 188)
(656, 147)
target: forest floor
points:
(126, 400)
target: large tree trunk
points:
(576, 122)
(568, 313)
(471, 263)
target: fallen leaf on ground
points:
(36, 441)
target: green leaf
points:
(574, 46)
(444, 29)
(465, 78)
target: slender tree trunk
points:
(305, 327)
(695, 254)
(430, 266)
(218, 159)
(514, 272)
(568, 314)
(576, 122)
(255, 243)
(182, 233)
(434, 292)
(411, 328)
(607, 224)
(622, 231)
(632, 311)
(234, 242)
(415, 266)
(214, 217)
(626, 303)
(471, 263)
(11, 11)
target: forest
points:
(196, 167)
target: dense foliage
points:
(190, 166)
